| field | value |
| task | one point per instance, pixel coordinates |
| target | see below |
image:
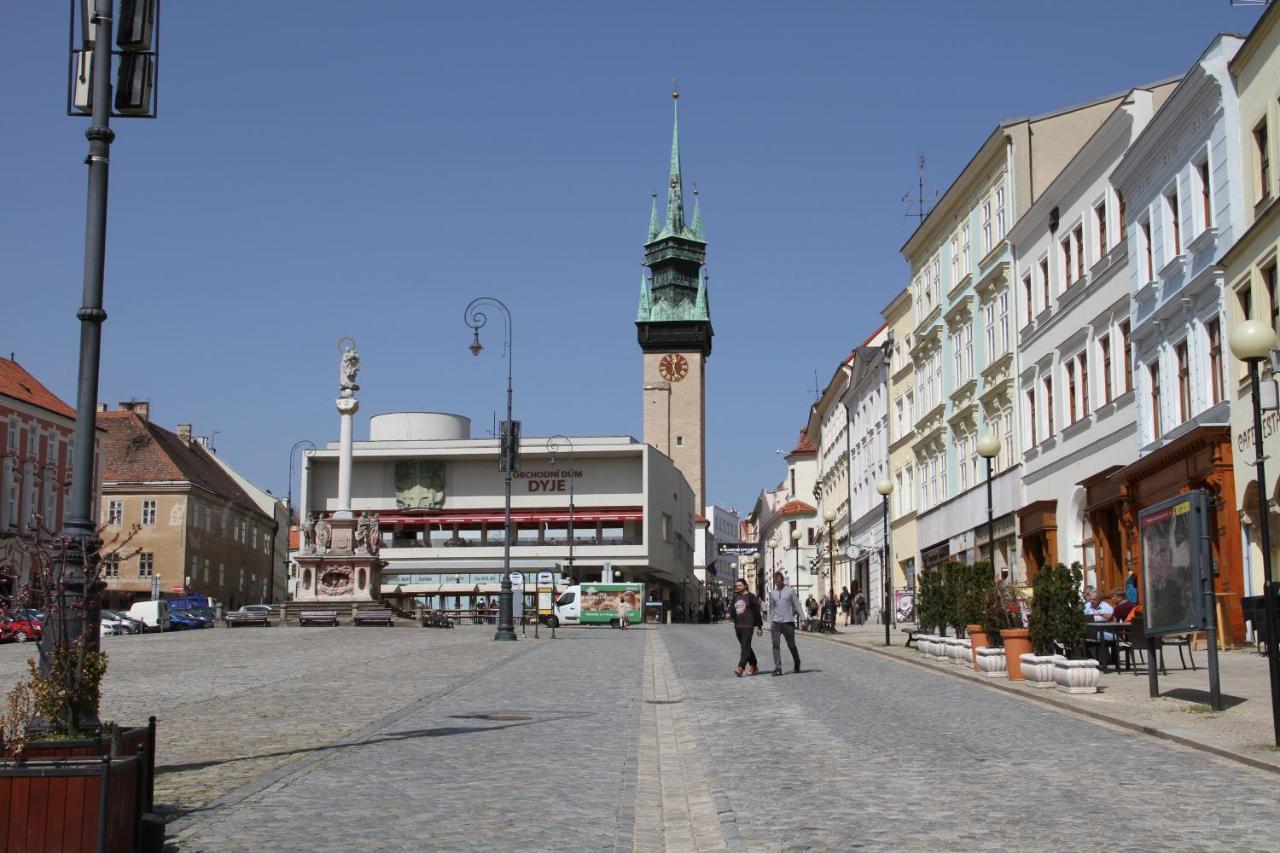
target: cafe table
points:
(1097, 629)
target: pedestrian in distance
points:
(746, 618)
(785, 612)
(846, 605)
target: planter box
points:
(1037, 670)
(1016, 644)
(992, 663)
(72, 804)
(115, 741)
(1077, 676)
(961, 653)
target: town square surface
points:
(334, 739)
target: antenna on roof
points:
(920, 213)
(817, 389)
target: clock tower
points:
(673, 326)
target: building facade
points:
(1182, 185)
(37, 441)
(900, 323)
(866, 400)
(1075, 382)
(438, 496)
(1250, 270)
(963, 305)
(197, 532)
(278, 577)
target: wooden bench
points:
(318, 616)
(911, 634)
(233, 619)
(372, 617)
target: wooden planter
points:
(113, 741)
(980, 641)
(1016, 644)
(72, 804)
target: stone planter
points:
(977, 639)
(1037, 670)
(924, 644)
(1077, 676)
(991, 662)
(1016, 644)
(938, 648)
(962, 654)
(949, 648)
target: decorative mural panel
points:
(419, 484)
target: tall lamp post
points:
(829, 516)
(773, 560)
(885, 488)
(795, 541)
(1251, 342)
(988, 449)
(310, 445)
(475, 318)
(553, 447)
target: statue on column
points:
(349, 368)
(368, 534)
(324, 534)
(307, 532)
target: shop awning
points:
(522, 516)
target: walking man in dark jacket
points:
(746, 618)
(784, 612)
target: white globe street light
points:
(885, 488)
(989, 448)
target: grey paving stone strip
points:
(192, 823)
(675, 809)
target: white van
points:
(599, 604)
(153, 614)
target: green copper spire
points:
(701, 310)
(655, 227)
(646, 308)
(675, 187)
(695, 230)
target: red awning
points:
(520, 516)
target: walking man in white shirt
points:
(785, 611)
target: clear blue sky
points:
(323, 169)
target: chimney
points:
(141, 408)
(184, 434)
(102, 407)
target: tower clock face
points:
(673, 367)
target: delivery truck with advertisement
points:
(599, 604)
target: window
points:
(964, 249)
(942, 477)
(1269, 283)
(1154, 373)
(900, 410)
(1263, 156)
(149, 513)
(1184, 382)
(999, 213)
(1104, 348)
(1032, 425)
(1214, 333)
(1026, 298)
(13, 502)
(986, 227)
(195, 567)
(111, 566)
(955, 259)
(146, 564)
(1124, 226)
(1206, 194)
(1048, 406)
(1007, 433)
(1144, 237)
(1100, 227)
(31, 441)
(935, 277)
(1064, 264)
(115, 513)
(1044, 282)
(911, 408)
(1077, 246)
(964, 463)
(1173, 217)
(1002, 319)
(793, 482)
(989, 315)
(1071, 392)
(1084, 384)
(13, 433)
(966, 338)
(1128, 356)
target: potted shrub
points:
(1004, 620)
(69, 769)
(1057, 626)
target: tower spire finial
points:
(675, 189)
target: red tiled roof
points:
(138, 451)
(796, 507)
(805, 446)
(17, 383)
(701, 519)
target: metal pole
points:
(884, 567)
(1270, 588)
(991, 524)
(79, 536)
(797, 541)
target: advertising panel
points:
(602, 602)
(1172, 535)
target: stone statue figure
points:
(368, 534)
(307, 531)
(324, 534)
(348, 370)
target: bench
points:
(435, 619)
(318, 616)
(372, 617)
(231, 620)
(913, 634)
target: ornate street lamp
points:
(795, 541)
(310, 445)
(553, 447)
(988, 449)
(829, 516)
(1251, 342)
(475, 318)
(773, 560)
(885, 488)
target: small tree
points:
(930, 610)
(64, 685)
(972, 591)
(1057, 611)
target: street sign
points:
(736, 549)
(545, 578)
(517, 579)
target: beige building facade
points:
(901, 432)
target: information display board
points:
(1174, 564)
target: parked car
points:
(6, 633)
(153, 614)
(180, 620)
(21, 627)
(108, 628)
(204, 614)
(125, 624)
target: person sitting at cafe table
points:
(1098, 609)
(1121, 606)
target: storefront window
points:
(1089, 555)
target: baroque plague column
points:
(339, 554)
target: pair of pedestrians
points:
(784, 611)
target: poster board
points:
(1174, 563)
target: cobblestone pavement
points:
(640, 741)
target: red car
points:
(20, 627)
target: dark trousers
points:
(779, 630)
(745, 655)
